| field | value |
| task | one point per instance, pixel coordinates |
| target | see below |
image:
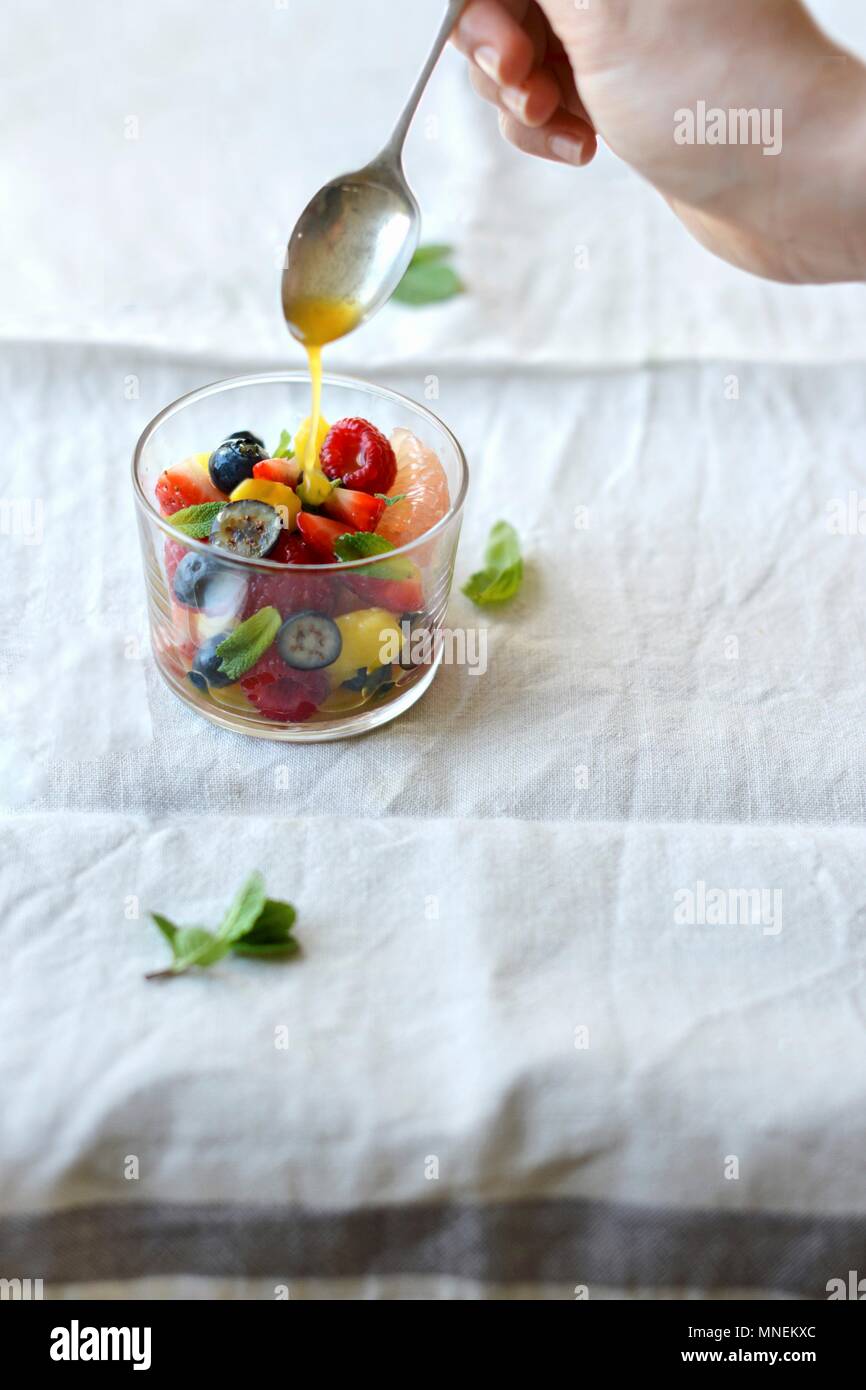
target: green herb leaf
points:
(168, 929)
(429, 279)
(242, 648)
(361, 544)
(244, 911)
(273, 924)
(196, 521)
(390, 501)
(358, 545)
(433, 251)
(289, 947)
(285, 449)
(502, 575)
(253, 926)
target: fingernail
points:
(515, 100)
(488, 61)
(564, 148)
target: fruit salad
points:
(312, 624)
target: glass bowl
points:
(388, 615)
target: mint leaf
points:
(502, 575)
(190, 946)
(168, 929)
(244, 911)
(433, 251)
(285, 449)
(361, 544)
(242, 648)
(390, 501)
(429, 279)
(196, 521)
(253, 926)
(273, 924)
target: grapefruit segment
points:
(421, 477)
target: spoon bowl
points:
(349, 251)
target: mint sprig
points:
(196, 521)
(285, 449)
(429, 279)
(360, 545)
(254, 925)
(248, 643)
(502, 575)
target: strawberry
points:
(320, 533)
(278, 693)
(286, 471)
(185, 485)
(291, 591)
(397, 595)
(292, 549)
(358, 510)
(359, 454)
(174, 553)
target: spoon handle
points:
(394, 147)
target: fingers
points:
(533, 103)
(565, 139)
(492, 34)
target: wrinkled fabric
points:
(583, 932)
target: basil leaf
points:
(248, 643)
(196, 521)
(502, 575)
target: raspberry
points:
(357, 452)
(277, 693)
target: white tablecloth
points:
(512, 1068)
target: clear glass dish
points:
(267, 405)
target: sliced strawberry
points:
(185, 485)
(358, 510)
(397, 595)
(292, 549)
(286, 471)
(320, 533)
(174, 553)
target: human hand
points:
(787, 202)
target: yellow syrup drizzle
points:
(316, 322)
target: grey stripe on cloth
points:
(568, 1240)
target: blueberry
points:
(308, 641)
(245, 435)
(249, 528)
(200, 581)
(234, 461)
(198, 681)
(206, 665)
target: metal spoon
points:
(354, 241)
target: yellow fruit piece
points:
(233, 697)
(207, 625)
(371, 638)
(342, 702)
(302, 438)
(277, 495)
(201, 461)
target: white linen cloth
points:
(675, 699)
